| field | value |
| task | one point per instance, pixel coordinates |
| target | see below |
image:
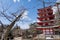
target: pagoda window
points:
(44, 32)
(51, 18)
(40, 23)
(50, 13)
(48, 19)
(39, 10)
(43, 19)
(40, 14)
(43, 14)
(49, 23)
(48, 31)
(48, 9)
(44, 10)
(51, 31)
(44, 24)
(47, 14)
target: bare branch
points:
(6, 16)
(2, 5)
(8, 8)
(1, 15)
(14, 14)
(12, 24)
(4, 10)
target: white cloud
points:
(34, 21)
(55, 7)
(29, 0)
(24, 26)
(16, 1)
(25, 15)
(26, 19)
(58, 1)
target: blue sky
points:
(30, 5)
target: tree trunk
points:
(11, 25)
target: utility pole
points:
(11, 25)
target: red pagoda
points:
(48, 22)
(46, 18)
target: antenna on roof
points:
(43, 4)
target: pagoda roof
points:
(44, 8)
(49, 26)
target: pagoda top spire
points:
(58, 1)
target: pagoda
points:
(48, 22)
(46, 18)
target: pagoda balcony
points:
(44, 14)
(48, 9)
(45, 18)
(50, 13)
(41, 19)
(45, 24)
(44, 28)
(49, 21)
(40, 23)
(45, 10)
(42, 10)
(49, 16)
